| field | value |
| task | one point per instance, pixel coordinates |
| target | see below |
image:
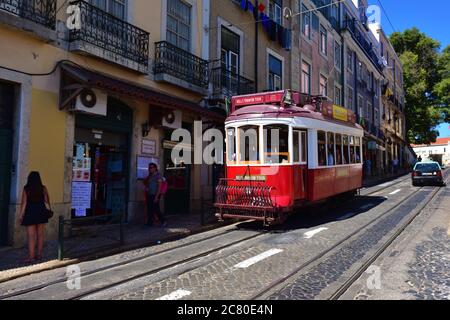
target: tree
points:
(426, 80)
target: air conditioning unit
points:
(91, 101)
(172, 119)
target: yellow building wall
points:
(47, 142)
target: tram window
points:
(276, 144)
(358, 149)
(352, 150)
(296, 141)
(321, 148)
(330, 145)
(249, 144)
(231, 145)
(304, 147)
(338, 149)
(345, 150)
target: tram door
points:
(300, 140)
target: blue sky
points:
(431, 17)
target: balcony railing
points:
(176, 62)
(229, 84)
(365, 45)
(39, 11)
(112, 34)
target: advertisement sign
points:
(81, 197)
(149, 147)
(340, 113)
(142, 166)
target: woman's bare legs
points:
(31, 233)
(40, 239)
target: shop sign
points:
(372, 145)
(142, 166)
(149, 147)
(340, 113)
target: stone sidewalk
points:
(89, 243)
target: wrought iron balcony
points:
(227, 83)
(110, 38)
(183, 65)
(364, 44)
(42, 12)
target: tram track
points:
(122, 264)
(113, 266)
(281, 283)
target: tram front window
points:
(276, 144)
(249, 145)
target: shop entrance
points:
(101, 162)
(6, 132)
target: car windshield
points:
(427, 167)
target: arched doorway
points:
(101, 161)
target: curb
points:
(98, 254)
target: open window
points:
(276, 144)
(346, 149)
(249, 145)
(321, 148)
(330, 149)
(339, 156)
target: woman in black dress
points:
(33, 214)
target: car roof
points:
(427, 162)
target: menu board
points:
(81, 169)
(81, 197)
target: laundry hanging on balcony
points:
(275, 31)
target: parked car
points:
(427, 173)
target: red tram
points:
(285, 150)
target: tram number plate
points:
(251, 178)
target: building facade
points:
(90, 94)
(438, 151)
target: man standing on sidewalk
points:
(153, 184)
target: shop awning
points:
(94, 79)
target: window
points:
(337, 56)
(115, 7)
(276, 144)
(338, 149)
(296, 142)
(382, 49)
(275, 10)
(323, 40)
(350, 61)
(306, 22)
(376, 88)
(248, 144)
(321, 148)
(359, 70)
(323, 86)
(337, 96)
(345, 150)
(330, 149)
(304, 155)
(352, 150)
(306, 78)
(350, 99)
(369, 110)
(275, 73)
(361, 106)
(179, 24)
(358, 149)
(231, 145)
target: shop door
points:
(6, 129)
(177, 199)
(103, 166)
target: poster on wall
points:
(81, 198)
(81, 170)
(142, 166)
(149, 147)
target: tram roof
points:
(274, 111)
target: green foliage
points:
(427, 83)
